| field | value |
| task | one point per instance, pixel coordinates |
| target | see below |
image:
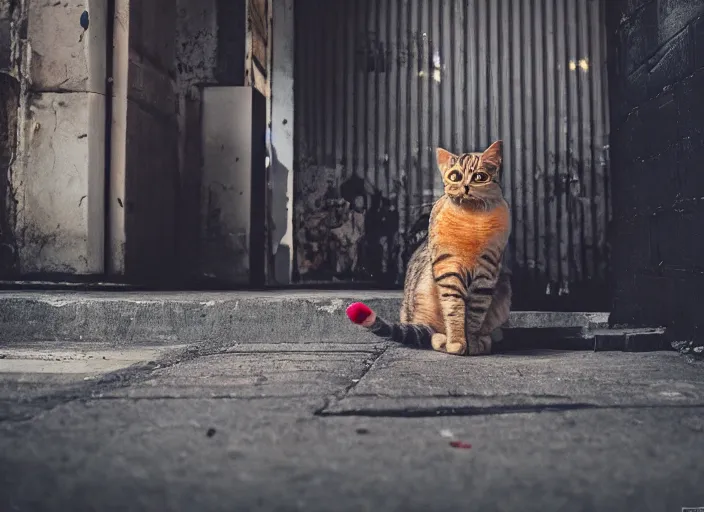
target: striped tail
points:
(416, 335)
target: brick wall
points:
(657, 163)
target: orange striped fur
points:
(455, 293)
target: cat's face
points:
(472, 178)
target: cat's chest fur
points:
(465, 234)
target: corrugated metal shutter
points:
(380, 84)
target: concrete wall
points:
(197, 44)
(226, 184)
(53, 90)
(657, 149)
(162, 66)
(144, 179)
(210, 51)
(282, 143)
(129, 87)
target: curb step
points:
(599, 339)
(630, 340)
(136, 318)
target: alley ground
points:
(348, 427)
(343, 424)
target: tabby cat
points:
(455, 293)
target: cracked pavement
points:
(346, 426)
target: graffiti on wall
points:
(347, 229)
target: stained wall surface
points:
(657, 79)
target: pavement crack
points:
(367, 369)
(369, 364)
(96, 387)
(465, 396)
(434, 412)
(303, 352)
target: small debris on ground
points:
(460, 444)
(446, 433)
(693, 351)
(211, 432)
(362, 431)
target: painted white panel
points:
(226, 183)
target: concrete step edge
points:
(187, 317)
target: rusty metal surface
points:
(380, 84)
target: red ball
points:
(358, 312)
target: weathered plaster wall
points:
(657, 149)
(53, 110)
(54, 193)
(61, 207)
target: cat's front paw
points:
(479, 345)
(440, 343)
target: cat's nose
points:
(466, 189)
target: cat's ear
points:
(493, 156)
(444, 157)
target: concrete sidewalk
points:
(345, 425)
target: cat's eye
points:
(480, 177)
(455, 176)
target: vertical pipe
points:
(494, 70)
(414, 68)
(370, 40)
(540, 80)
(435, 108)
(528, 124)
(359, 105)
(321, 80)
(424, 100)
(551, 137)
(395, 119)
(379, 104)
(349, 87)
(109, 92)
(505, 89)
(327, 63)
(562, 141)
(605, 123)
(339, 98)
(448, 54)
(574, 155)
(459, 80)
(585, 77)
(598, 138)
(482, 75)
(516, 145)
(470, 32)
